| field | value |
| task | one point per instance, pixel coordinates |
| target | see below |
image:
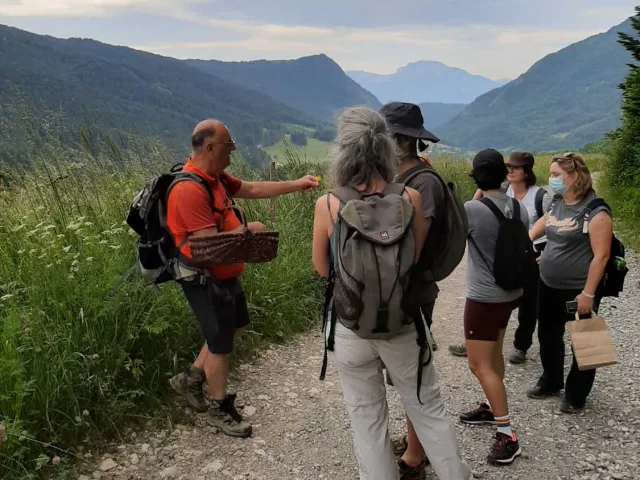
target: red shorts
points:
(483, 321)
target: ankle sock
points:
(504, 425)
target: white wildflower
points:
(66, 249)
(89, 259)
(88, 224)
(74, 263)
(115, 247)
(20, 252)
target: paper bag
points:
(592, 343)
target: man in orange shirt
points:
(219, 304)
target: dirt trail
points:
(302, 432)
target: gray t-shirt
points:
(529, 201)
(483, 227)
(566, 259)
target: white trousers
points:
(359, 363)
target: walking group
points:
(384, 235)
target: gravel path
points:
(302, 432)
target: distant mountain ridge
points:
(426, 81)
(315, 85)
(565, 100)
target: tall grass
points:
(83, 350)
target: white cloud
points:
(85, 8)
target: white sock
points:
(504, 425)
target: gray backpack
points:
(372, 256)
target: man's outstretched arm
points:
(257, 190)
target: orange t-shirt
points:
(189, 210)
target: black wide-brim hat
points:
(406, 119)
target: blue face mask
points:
(557, 185)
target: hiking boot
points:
(567, 407)
(517, 357)
(412, 473)
(189, 385)
(458, 350)
(399, 446)
(504, 450)
(223, 415)
(540, 391)
(480, 416)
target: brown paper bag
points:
(592, 343)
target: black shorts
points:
(221, 309)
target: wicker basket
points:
(237, 247)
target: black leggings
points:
(552, 317)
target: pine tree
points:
(624, 168)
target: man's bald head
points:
(207, 129)
(212, 146)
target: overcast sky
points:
(494, 38)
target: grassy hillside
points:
(284, 150)
(127, 91)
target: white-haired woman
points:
(364, 159)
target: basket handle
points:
(243, 218)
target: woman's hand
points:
(585, 304)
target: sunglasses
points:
(564, 155)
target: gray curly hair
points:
(363, 149)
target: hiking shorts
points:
(483, 321)
(220, 308)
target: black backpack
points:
(612, 282)
(538, 202)
(514, 259)
(159, 259)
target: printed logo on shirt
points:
(566, 225)
(384, 235)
